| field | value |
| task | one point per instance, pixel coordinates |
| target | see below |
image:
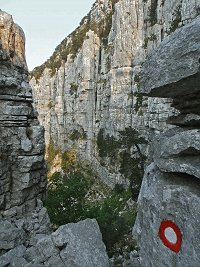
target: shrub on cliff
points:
(125, 151)
(113, 219)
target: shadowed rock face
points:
(173, 70)
(171, 185)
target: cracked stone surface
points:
(171, 187)
(72, 245)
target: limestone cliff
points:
(90, 85)
(25, 233)
(94, 85)
(22, 166)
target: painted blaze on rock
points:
(170, 235)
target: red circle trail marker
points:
(170, 235)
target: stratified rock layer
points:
(22, 167)
(171, 185)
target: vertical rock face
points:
(24, 222)
(171, 185)
(22, 167)
(12, 41)
(92, 80)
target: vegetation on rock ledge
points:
(153, 12)
(73, 43)
(126, 151)
(67, 158)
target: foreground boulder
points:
(72, 245)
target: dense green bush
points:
(107, 145)
(68, 160)
(176, 20)
(52, 152)
(153, 12)
(114, 222)
(67, 202)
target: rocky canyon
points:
(121, 95)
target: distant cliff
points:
(89, 91)
(110, 81)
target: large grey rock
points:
(170, 187)
(14, 258)
(166, 70)
(10, 235)
(72, 245)
(168, 196)
(178, 150)
(81, 244)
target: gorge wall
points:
(22, 166)
(26, 238)
(109, 75)
(89, 88)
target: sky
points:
(45, 23)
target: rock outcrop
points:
(22, 166)
(70, 245)
(25, 233)
(171, 186)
